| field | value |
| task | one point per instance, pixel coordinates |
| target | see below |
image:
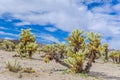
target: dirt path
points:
(54, 71)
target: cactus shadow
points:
(103, 75)
(37, 59)
(58, 70)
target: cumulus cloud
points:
(2, 27)
(117, 7)
(114, 43)
(22, 23)
(48, 37)
(8, 34)
(66, 15)
(63, 14)
(51, 29)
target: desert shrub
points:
(27, 70)
(13, 67)
(16, 67)
(27, 45)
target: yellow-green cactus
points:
(78, 47)
(115, 56)
(76, 40)
(76, 61)
(8, 45)
(76, 51)
(53, 50)
(27, 45)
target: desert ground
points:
(55, 71)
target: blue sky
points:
(53, 20)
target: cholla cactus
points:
(49, 51)
(93, 47)
(8, 45)
(76, 60)
(105, 51)
(94, 43)
(115, 56)
(60, 50)
(27, 45)
(76, 51)
(56, 51)
(76, 40)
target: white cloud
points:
(117, 7)
(65, 15)
(1, 27)
(103, 9)
(9, 38)
(9, 34)
(48, 37)
(51, 29)
(22, 23)
(114, 43)
(8, 20)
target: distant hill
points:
(14, 41)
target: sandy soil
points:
(54, 71)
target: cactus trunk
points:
(62, 62)
(89, 63)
